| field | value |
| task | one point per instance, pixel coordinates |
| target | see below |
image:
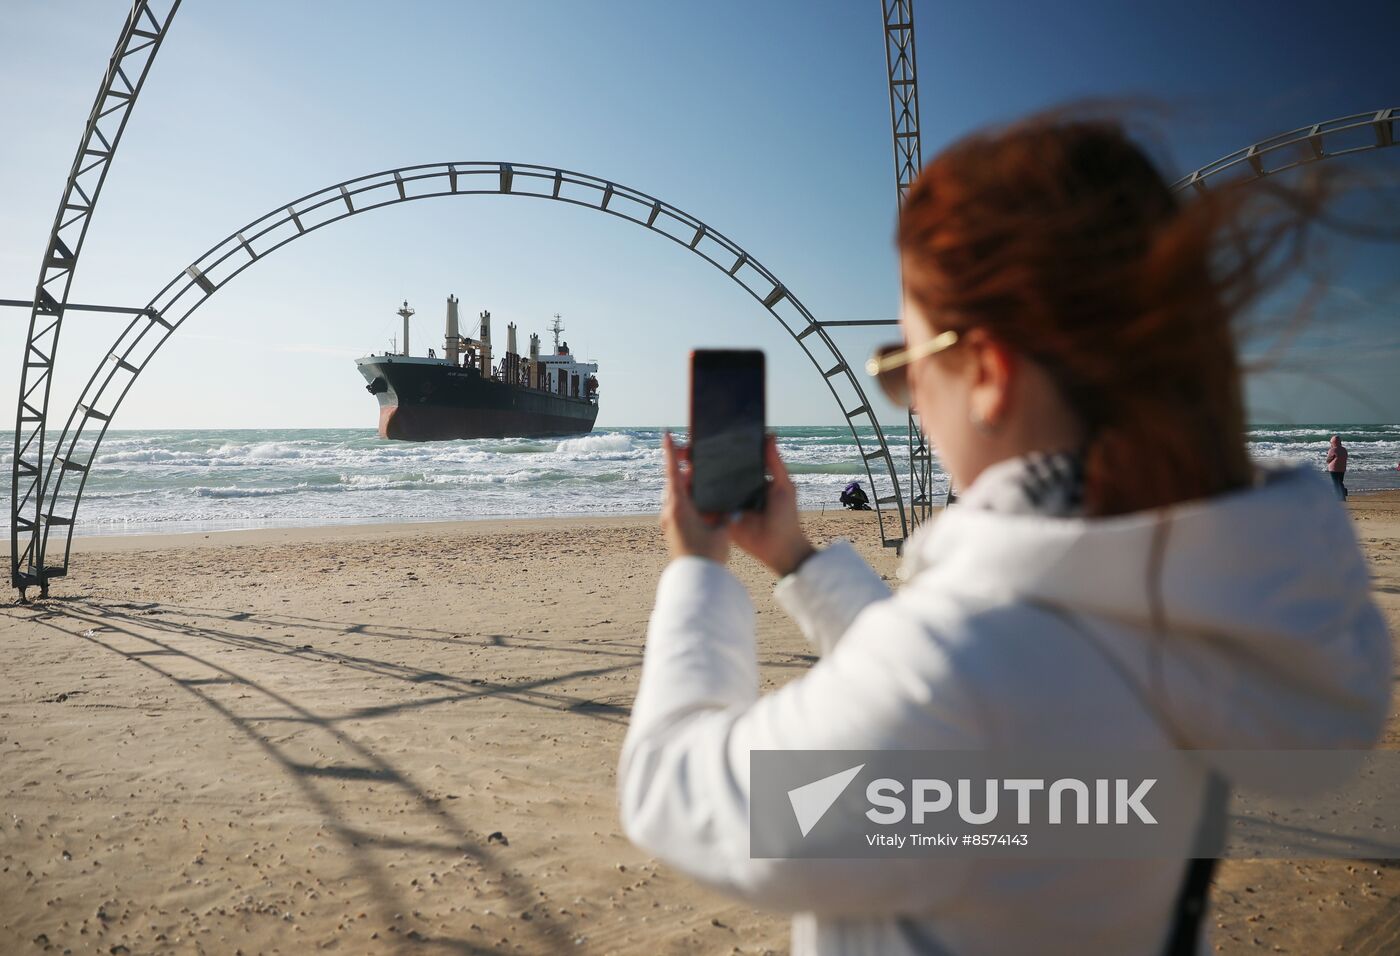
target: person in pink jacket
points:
(1337, 465)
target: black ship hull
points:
(426, 400)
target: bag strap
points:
(1191, 902)
(1193, 896)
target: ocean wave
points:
(290, 477)
(234, 491)
(113, 495)
(274, 450)
(516, 446)
(1357, 450)
(600, 447)
(149, 456)
(825, 468)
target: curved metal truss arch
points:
(127, 68)
(1342, 136)
(76, 448)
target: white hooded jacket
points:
(1239, 622)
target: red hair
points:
(1061, 239)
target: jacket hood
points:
(1247, 617)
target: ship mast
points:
(405, 312)
(556, 328)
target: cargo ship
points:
(462, 394)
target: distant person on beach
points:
(1337, 465)
(1117, 575)
(853, 496)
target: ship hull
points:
(421, 400)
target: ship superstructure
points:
(464, 394)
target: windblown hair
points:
(1060, 238)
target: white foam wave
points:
(601, 447)
(149, 456)
(233, 491)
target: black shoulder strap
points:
(1195, 888)
(1190, 908)
(1210, 832)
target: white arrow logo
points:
(810, 802)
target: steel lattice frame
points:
(76, 448)
(135, 51)
(904, 93)
(1306, 144)
(902, 69)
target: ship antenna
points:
(556, 328)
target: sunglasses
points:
(890, 364)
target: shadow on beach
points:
(178, 651)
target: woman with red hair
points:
(1117, 573)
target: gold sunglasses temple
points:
(943, 340)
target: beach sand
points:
(404, 737)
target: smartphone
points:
(727, 412)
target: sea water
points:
(186, 480)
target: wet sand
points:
(403, 737)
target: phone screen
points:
(727, 430)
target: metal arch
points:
(143, 336)
(135, 51)
(1301, 146)
(901, 66)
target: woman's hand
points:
(687, 531)
(774, 535)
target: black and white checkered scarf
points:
(1044, 483)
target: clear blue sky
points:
(768, 120)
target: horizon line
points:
(673, 427)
